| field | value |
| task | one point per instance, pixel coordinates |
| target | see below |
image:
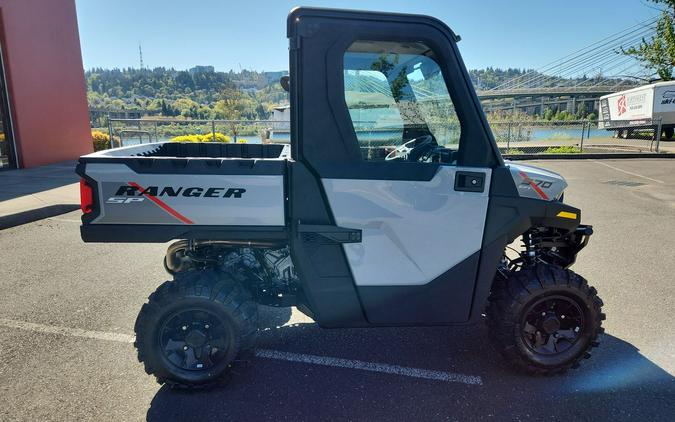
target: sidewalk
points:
(31, 194)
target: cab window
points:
(399, 104)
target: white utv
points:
(393, 208)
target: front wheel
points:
(194, 327)
(544, 319)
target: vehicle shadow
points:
(617, 381)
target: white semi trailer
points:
(639, 108)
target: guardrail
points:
(514, 138)
(133, 131)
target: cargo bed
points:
(162, 191)
(195, 150)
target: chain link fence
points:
(525, 138)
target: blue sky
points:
(251, 34)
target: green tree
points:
(548, 113)
(581, 110)
(386, 65)
(658, 53)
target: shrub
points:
(515, 151)
(219, 137)
(564, 149)
(101, 140)
(186, 138)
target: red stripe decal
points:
(534, 186)
(162, 204)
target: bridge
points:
(536, 100)
(564, 84)
(558, 91)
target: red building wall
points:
(45, 79)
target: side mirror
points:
(285, 82)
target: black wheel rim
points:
(552, 325)
(194, 340)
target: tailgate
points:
(156, 200)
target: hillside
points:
(199, 93)
(203, 93)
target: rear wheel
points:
(544, 319)
(193, 328)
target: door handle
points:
(469, 181)
(333, 233)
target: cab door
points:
(387, 124)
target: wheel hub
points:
(552, 324)
(194, 340)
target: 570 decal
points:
(536, 184)
(541, 183)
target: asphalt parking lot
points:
(67, 311)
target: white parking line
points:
(66, 331)
(628, 172)
(262, 353)
(370, 366)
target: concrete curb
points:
(599, 156)
(36, 214)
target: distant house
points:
(201, 69)
(281, 118)
(281, 124)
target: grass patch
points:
(564, 149)
(514, 151)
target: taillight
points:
(86, 197)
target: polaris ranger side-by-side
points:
(352, 230)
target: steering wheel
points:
(411, 150)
